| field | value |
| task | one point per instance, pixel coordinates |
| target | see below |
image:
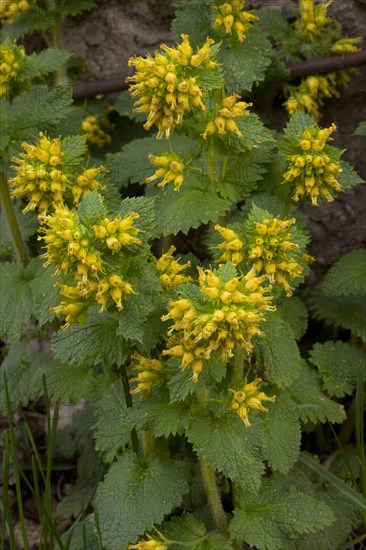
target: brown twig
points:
(303, 68)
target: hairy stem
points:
(148, 439)
(238, 368)
(213, 496)
(61, 77)
(12, 222)
(127, 392)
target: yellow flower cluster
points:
(10, 64)
(118, 232)
(224, 119)
(170, 169)
(313, 18)
(74, 249)
(168, 83)
(232, 246)
(249, 398)
(11, 10)
(95, 135)
(151, 544)
(346, 45)
(309, 95)
(232, 17)
(270, 249)
(41, 178)
(227, 319)
(312, 173)
(150, 373)
(170, 271)
(86, 182)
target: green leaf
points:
(361, 129)
(277, 351)
(293, 311)
(193, 18)
(28, 226)
(348, 177)
(69, 7)
(283, 435)
(348, 312)
(82, 535)
(297, 126)
(245, 63)
(229, 447)
(338, 364)
(347, 276)
(188, 208)
(92, 209)
(91, 342)
(110, 432)
(162, 419)
(278, 515)
(145, 207)
(308, 402)
(123, 500)
(74, 148)
(47, 61)
(188, 530)
(23, 378)
(45, 294)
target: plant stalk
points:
(128, 398)
(213, 496)
(12, 222)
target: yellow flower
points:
(10, 64)
(150, 372)
(86, 182)
(224, 118)
(313, 18)
(249, 398)
(170, 271)
(11, 10)
(231, 16)
(151, 544)
(170, 169)
(346, 45)
(309, 95)
(232, 245)
(73, 307)
(226, 318)
(118, 232)
(168, 83)
(112, 288)
(312, 172)
(95, 135)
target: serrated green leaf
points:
(293, 311)
(277, 516)
(245, 63)
(347, 276)
(361, 129)
(308, 402)
(188, 208)
(348, 177)
(277, 351)
(74, 148)
(297, 126)
(241, 177)
(110, 433)
(162, 419)
(69, 7)
(187, 529)
(91, 209)
(82, 535)
(338, 364)
(283, 436)
(35, 18)
(91, 342)
(348, 312)
(145, 207)
(229, 447)
(28, 226)
(193, 18)
(47, 61)
(123, 500)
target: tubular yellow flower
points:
(73, 307)
(170, 169)
(231, 16)
(313, 18)
(151, 544)
(150, 372)
(271, 251)
(112, 288)
(228, 318)
(11, 10)
(249, 398)
(95, 135)
(224, 118)
(170, 271)
(86, 182)
(10, 64)
(232, 246)
(312, 172)
(118, 232)
(168, 83)
(346, 45)
(309, 95)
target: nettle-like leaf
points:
(245, 63)
(69, 7)
(307, 402)
(92, 209)
(123, 500)
(131, 164)
(297, 126)
(277, 351)
(74, 148)
(283, 435)
(145, 207)
(26, 293)
(348, 178)
(33, 19)
(294, 312)
(93, 341)
(82, 535)
(229, 447)
(188, 530)
(110, 432)
(195, 19)
(339, 364)
(361, 129)
(278, 515)
(40, 64)
(347, 277)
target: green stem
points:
(238, 368)
(127, 392)
(61, 77)
(213, 496)
(286, 210)
(12, 222)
